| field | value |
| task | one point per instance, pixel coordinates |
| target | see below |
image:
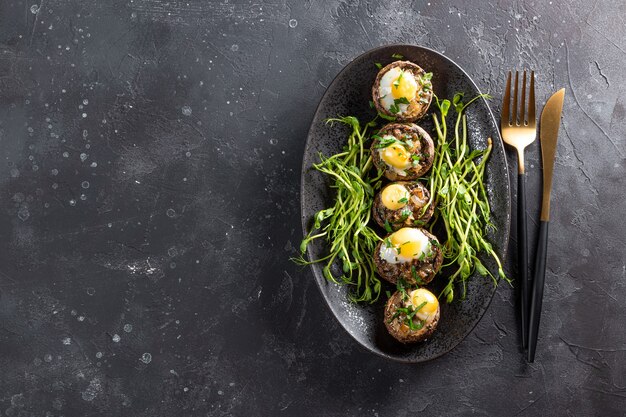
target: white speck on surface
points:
(220, 392)
(85, 101)
(172, 252)
(34, 9)
(147, 358)
(186, 110)
(128, 327)
(23, 213)
(94, 164)
(84, 115)
(91, 291)
(187, 154)
(85, 184)
(47, 357)
(98, 355)
(171, 213)
(66, 154)
(72, 202)
(83, 157)
(116, 338)
(15, 172)
(234, 47)
(92, 390)
(17, 400)
(293, 23)
(81, 318)
(273, 141)
(67, 341)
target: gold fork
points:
(520, 132)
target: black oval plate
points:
(349, 94)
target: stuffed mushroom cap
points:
(411, 254)
(402, 90)
(412, 316)
(403, 151)
(402, 204)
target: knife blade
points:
(548, 135)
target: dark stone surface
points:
(149, 201)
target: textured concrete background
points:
(149, 201)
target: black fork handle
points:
(522, 255)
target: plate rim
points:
(304, 221)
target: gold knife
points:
(548, 134)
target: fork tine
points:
(532, 120)
(506, 100)
(522, 110)
(515, 101)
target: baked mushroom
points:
(402, 90)
(412, 316)
(411, 254)
(403, 151)
(401, 204)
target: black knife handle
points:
(537, 294)
(522, 255)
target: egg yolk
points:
(394, 196)
(406, 241)
(396, 156)
(422, 295)
(404, 86)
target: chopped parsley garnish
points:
(403, 200)
(388, 227)
(397, 56)
(372, 104)
(396, 83)
(378, 65)
(384, 142)
(404, 214)
(394, 108)
(416, 277)
(401, 286)
(409, 318)
(401, 100)
(415, 326)
(426, 84)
